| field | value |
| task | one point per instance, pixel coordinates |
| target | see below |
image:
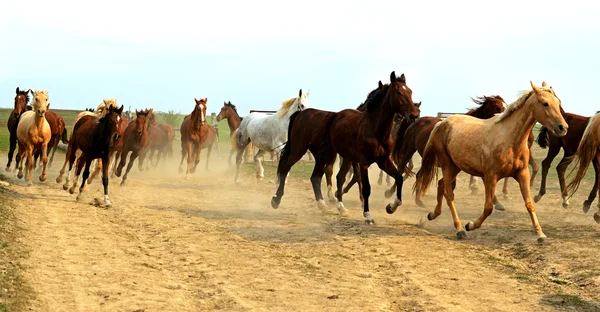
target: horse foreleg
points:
(534, 167)
(123, 157)
(208, 155)
(114, 163)
(523, 179)
(561, 168)
(190, 156)
(340, 179)
(105, 164)
(29, 165)
(80, 162)
(44, 161)
(505, 188)
(150, 159)
(260, 171)
(489, 183)
(71, 157)
(142, 154)
(473, 186)
(86, 174)
(328, 179)
(388, 166)
(183, 155)
(366, 192)
(592, 196)
(380, 179)
(12, 143)
(315, 180)
(19, 165)
(134, 155)
(53, 148)
(546, 163)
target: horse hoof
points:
(586, 206)
(420, 203)
(537, 198)
(388, 194)
(565, 204)
(389, 209)
(107, 204)
(321, 204)
(89, 182)
(470, 226)
(430, 216)
(72, 191)
(275, 202)
(597, 217)
(58, 180)
(379, 182)
(499, 207)
(29, 183)
(541, 240)
(7, 169)
(42, 178)
(187, 177)
(20, 176)
(122, 183)
(141, 169)
(370, 221)
(65, 187)
(461, 234)
(474, 192)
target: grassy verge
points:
(14, 291)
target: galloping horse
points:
(569, 144)
(586, 153)
(229, 112)
(135, 139)
(416, 135)
(267, 132)
(115, 150)
(160, 137)
(33, 132)
(21, 100)
(94, 137)
(196, 135)
(362, 137)
(59, 133)
(492, 148)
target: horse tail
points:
(65, 136)
(586, 151)
(287, 148)
(403, 135)
(429, 165)
(542, 138)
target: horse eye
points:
(545, 104)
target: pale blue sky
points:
(257, 53)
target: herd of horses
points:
(492, 141)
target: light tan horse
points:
(586, 152)
(493, 149)
(34, 132)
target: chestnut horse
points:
(492, 148)
(416, 135)
(587, 151)
(229, 112)
(33, 132)
(569, 144)
(362, 137)
(160, 138)
(94, 137)
(21, 100)
(135, 139)
(196, 135)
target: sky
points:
(162, 54)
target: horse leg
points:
(473, 186)
(192, 152)
(534, 167)
(366, 191)
(86, 174)
(489, 183)
(183, 154)
(44, 162)
(340, 179)
(286, 162)
(353, 179)
(71, 156)
(230, 155)
(388, 166)
(142, 156)
(197, 151)
(62, 170)
(449, 177)
(561, 168)
(12, 142)
(315, 180)
(523, 179)
(123, 160)
(105, 164)
(410, 168)
(546, 163)
(19, 164)
(329, 181)
(80, 162)
(505, 188)
(260, 171)
(53, 151)
(36, 155)
(29, 165)
(208, 155)
(380, 179)
(134, 155)
(592, 196)
(95, 173)
(114, 161)
(238, 162)
(388, 181)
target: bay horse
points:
(135, 139)
(115, 151)
(160, 138)
(587, 151)
(569, 143)
(21, 99)
(94, 137)
(229, 112)
(267, 132)
(361, 137)
(196, 134)
(416, 135)
(492, 148)
(33, 132)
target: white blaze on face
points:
(202, 113)
(404, 87)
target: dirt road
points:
(168, 244)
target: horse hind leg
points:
(505, 189)
(473, 186)
(86, 174)
(260, 171)
(208, 155)
(11, 150)
(315, 180)
(490, 190)
(329, 180)
(340, 179)
(80, 163)
(95, 173)
(132, 158)
(44, 162)
(588, 202)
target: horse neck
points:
(382, 119)
(39, 122)
(519, 124)
(233, 121)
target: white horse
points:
(267, 132)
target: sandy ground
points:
(170, 244)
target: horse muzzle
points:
(411, 117)
(560, 130)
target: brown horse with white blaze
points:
(196, 134)
(135, 139)
(492, 148)
(20, 107)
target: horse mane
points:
(285, 106)
(375, 98)
(511, 108)
(26, 94)
(232, 106)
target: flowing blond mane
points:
(39, 95)
(285, 106)
(511, 108)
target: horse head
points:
(400, 96)
(302, 101)
(547, 109)
(199, 113)
(141, 122)
(226, 111)
(21, 100)
(40, 102)
(112, 120)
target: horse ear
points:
(418, 105)
(402, 78)
(534, 87)
(393, 77)
(32, 92)
(380, 86)
(544, 84)
(17, 90)
(300, 93)
(195, 99)
(48, 106)
(121, 109)
(307, 93)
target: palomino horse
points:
(196, 134)
(59, 133)
(492, 148)
(135, 139)
(94, 137)
(160, 138)
(229, 112)
(33, 132)
(416, 135)
(267, 132)
(586, 153)
(569, 144)
(21, 100)
(362, 137)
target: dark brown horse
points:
(160, 138)
(135, 139)
(229, 112)
(94, 137)
(115, 151)
(21, 100)
(569, 144)
(59, 133)
(196, 135)
(362, 137)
